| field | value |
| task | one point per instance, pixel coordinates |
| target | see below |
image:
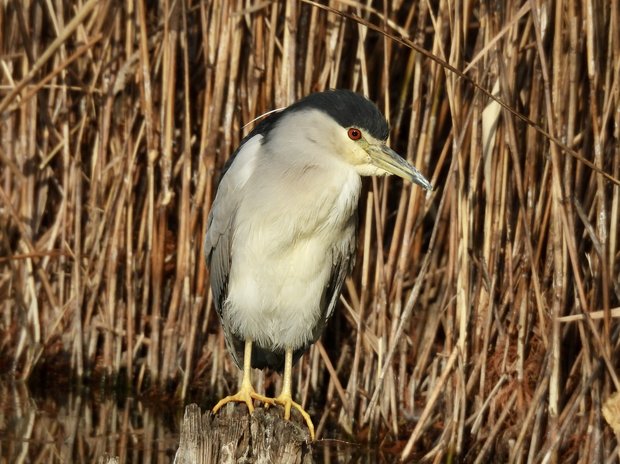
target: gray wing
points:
(217, 252)
(343, 261)
(217, 246)
(221, 222)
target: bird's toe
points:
(287, 402)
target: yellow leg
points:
(285, 399)
(246, 393)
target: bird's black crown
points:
(347, 108)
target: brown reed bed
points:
(480, 322)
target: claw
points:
(248, 395)
(245, 395)
(287, 402)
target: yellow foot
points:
(285, 400)
(245, 395)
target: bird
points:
(281, 233)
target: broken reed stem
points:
(113, 134)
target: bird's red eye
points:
(354, 134)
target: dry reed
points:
(479, 322)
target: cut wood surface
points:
(233, 435)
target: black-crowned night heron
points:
(282, 229)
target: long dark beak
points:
(387, 159)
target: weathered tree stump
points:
(107, 460)
(234, 436)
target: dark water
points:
(52, 424)
(59, 426)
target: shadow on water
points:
(57, 425)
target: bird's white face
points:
(357, 150)
(316, 132)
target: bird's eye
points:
(354, 134)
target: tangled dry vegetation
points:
(480, 322)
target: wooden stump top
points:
(234, 436)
